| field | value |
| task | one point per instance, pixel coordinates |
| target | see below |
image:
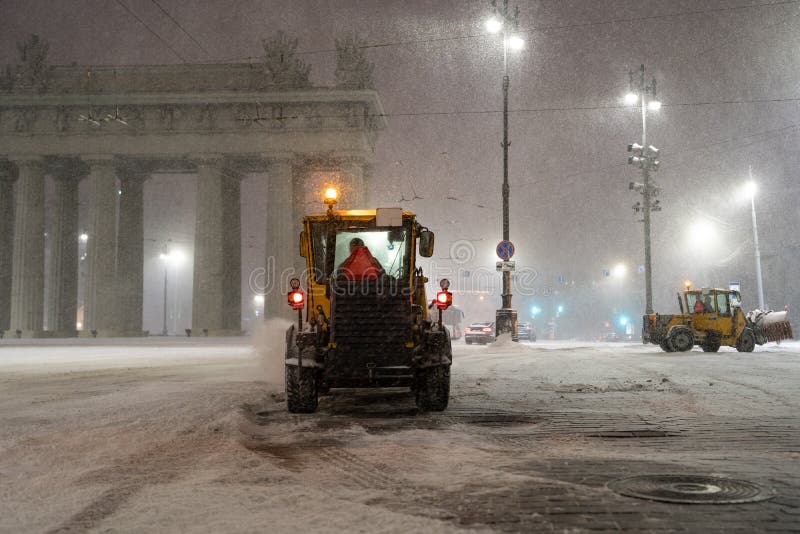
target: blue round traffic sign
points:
(505, 250)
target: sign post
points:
(506, 317)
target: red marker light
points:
(296, 299)
(487, 329)
(444, 299)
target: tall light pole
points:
(750, 190)
(505, 22)
(646, 158)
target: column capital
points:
(351, 158)
(206, 159)
(66, 168)
(134, 170)
(226, 165)
(8, 171)
(28, 161)
(280, 158)
(98, 160)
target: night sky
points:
(727, 75)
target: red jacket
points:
(361, 265)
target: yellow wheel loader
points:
(712, 318)
(363, 320)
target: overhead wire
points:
(407, 42)
(151, 30)
(184, 30)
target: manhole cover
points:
(691, 489)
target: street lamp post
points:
(646, 157)
(505, 21)
(751, 191)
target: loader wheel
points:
(301, 389)
(433, 388)
(681, 340)
(665, 346)
(747, 341)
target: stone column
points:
(8, 174)
(283, 229)
(101, 293)
(63, 276)
(217, 292)
(27, 270)
(352, 173)
(130, 250)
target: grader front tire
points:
(301, 390)
(433, 388)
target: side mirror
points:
(426, 239)
(303, 243)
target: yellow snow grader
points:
(712, 318)
(363, 322)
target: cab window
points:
(692, 300)
(722, 304)
(389, 247)
(708, 302)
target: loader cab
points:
(392, 237)
(709, 301)
(701, 301)
(710, 309)
(390, 246)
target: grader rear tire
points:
(665, 346)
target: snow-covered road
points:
(193, 436)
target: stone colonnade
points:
(114, 255)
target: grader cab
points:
(712, 318)
(363, 321)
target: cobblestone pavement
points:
(531, 438)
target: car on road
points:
(610, 336)
(482, 333)
(525, 331)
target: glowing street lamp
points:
(494, 25)
(701, 233)
(515, 42)
(619, 270)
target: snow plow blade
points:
(771, 325)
